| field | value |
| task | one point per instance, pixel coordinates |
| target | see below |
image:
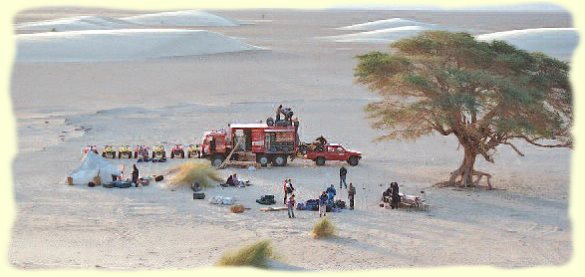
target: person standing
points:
(351, 195)
(278, 113)
(285, 190)
(331, 192)
(135, 174)
(291, 206)
(342, 175)
(323, 204)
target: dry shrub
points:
(255, 255)
(238, 208)
(190, 172)
(322, 229)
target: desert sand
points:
(63, 106)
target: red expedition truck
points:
(251, 142)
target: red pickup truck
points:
(334, 152)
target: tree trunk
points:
(463, 176)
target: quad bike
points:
(177, 150)
(92, 148)
(124, 152)
(141, 151)
(194, 150)
(158, 152)
(109, 152)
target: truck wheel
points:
(270, 121)
(182, 154)
(353, 161)
(263, 160)
(217, 160)
(279, 160)
(172, 154)
(320, 161)
(135, 155)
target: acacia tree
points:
(486, 94)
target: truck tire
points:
(353, 161)
(182, 154)
(217, 160)
(279, 160)
(263, 160)
(320, 161)
(172, 155)
(270, 121)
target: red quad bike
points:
(333, 152)
(87, 148)
(178, 151)
(141, 151)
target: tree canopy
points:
(484, 93)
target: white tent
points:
(92, 165)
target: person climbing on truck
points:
(278, 112)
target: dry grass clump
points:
(237, 208)
(255, 255)
(189, 172)
(322, 229)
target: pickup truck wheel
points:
(217, 160)
(263, 160)
(320, 161)
(353, 161)
(279, 160)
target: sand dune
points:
(181, 18)
(557, 42)
(77, 23)
(127, 44)
(385, 35)
(386, 24)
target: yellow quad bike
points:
(194, 151)
(124, 152)
(158, 152)
(109, 152)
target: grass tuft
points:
(255, 255)
(322, 229)
(190, 172)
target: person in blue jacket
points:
(331, 192)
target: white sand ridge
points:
(556, 42)
(182, 18)
(76, 23)
(386, 24)
(386, 35)
(125, 44)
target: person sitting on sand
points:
(230, 180)
(323, 204)
(291, 206)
